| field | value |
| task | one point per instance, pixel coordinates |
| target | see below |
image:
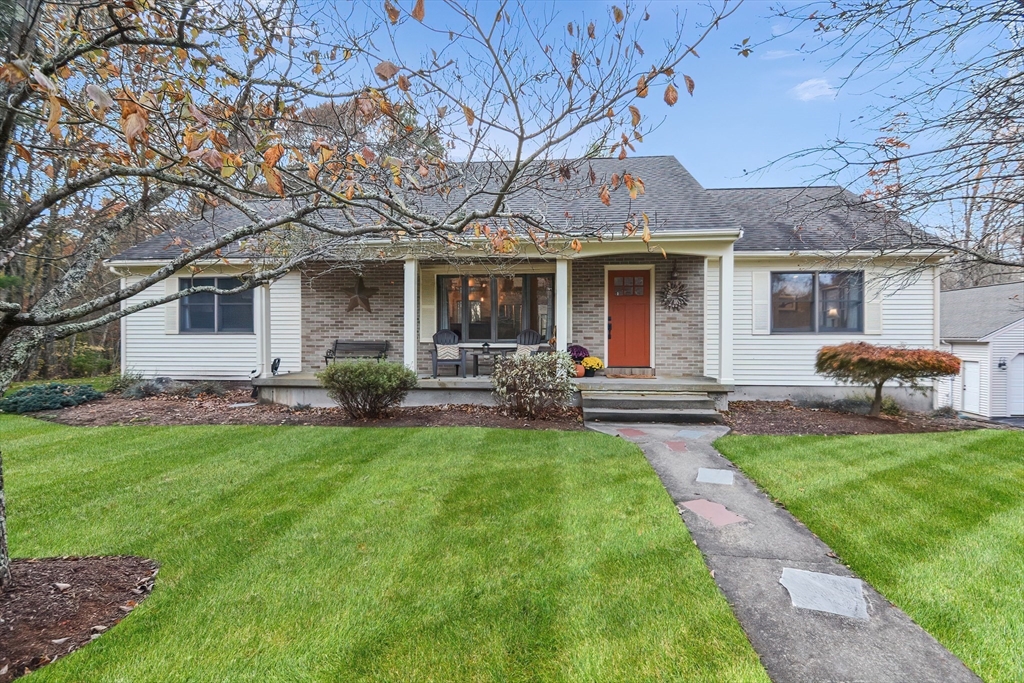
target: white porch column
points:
(410, 308)
(263, 338)
(562, 330)
(725, 315)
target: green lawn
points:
(328, 554)
(934, 521)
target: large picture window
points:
(818, 302)
(209, 313)
(495, 308)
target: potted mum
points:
(591, 364)
(578, 353)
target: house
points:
(984, 327)
(733, 295)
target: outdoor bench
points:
(343, 350)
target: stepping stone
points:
(825, 592)
(629, 431)
(710, 476)
(716, 513)
(241, 405)
(677, 446)
(690, 433)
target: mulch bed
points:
(212, 410)
(784, 418)
(56, 605)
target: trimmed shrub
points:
(367, 388)
(196, 389)
(536, 385)
(867, 364)
(48, 397)
(150, 387)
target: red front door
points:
(629, 318)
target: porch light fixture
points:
(1001, 364)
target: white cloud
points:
(778, 54)
(813, 89)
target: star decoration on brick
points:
(359, 296)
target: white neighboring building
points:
(984, 327)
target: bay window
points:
(491, 308)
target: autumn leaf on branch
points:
(671, 95)
(385, 70)
(418, 11)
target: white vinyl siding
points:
(153, 347)
(907, 317)
(978, 352)
(1005, 344)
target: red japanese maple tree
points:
(867, 364)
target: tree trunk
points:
(876, 405)
(5, 559)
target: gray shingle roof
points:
(775, 219)
(673, 200)
(978, 311)
(788, 219)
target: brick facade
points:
(678, 336)
(325, 319)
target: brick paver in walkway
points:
(807, 615)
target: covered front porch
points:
(608, 299)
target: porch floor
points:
(308, 380)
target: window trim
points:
(528, 285)
(216, 309)
(815, 308)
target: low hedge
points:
(51, 396)
(367, 388)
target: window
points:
(817, 302)
(209, 313)
(496, 308)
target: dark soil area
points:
(213, 410)
(784, 418)
(57, 605)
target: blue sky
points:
(748, 112)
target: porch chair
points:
(446, 352)
(527, 342)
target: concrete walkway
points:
(808, 616)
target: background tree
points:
(115, 116)
(873, 366)
(947, 165)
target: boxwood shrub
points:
(48, 397)
(367, 388)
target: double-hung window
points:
(494, 308)
(209, 313)
(818, 302)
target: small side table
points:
(491, 354)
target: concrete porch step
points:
(670, 415)
(647, 400)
